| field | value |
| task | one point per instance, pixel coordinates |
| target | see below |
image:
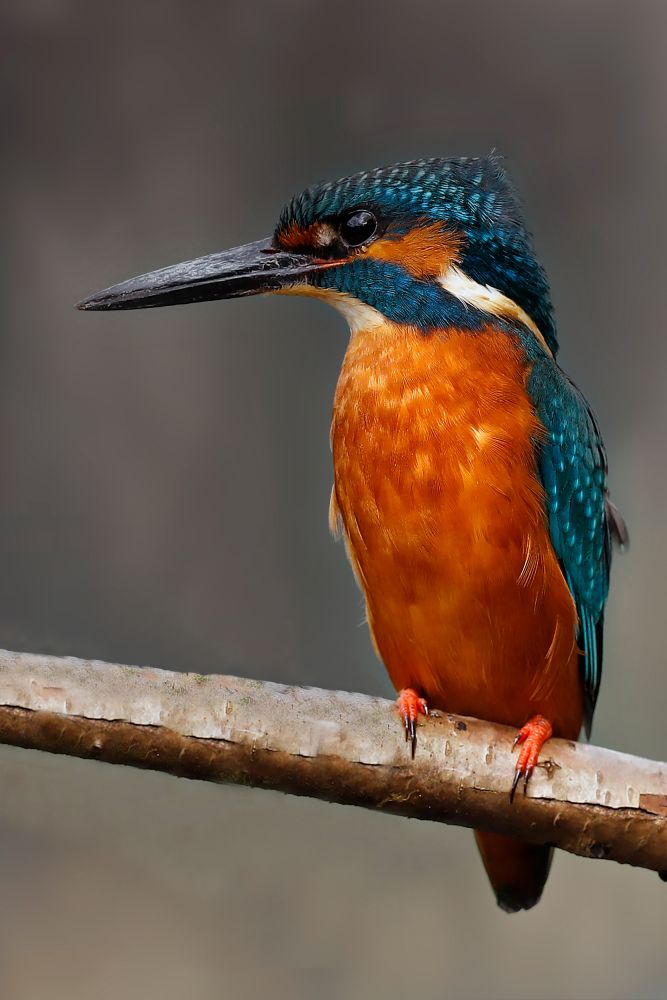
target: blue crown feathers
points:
(473, 195)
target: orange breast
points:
(436, 488)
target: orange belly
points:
(443, 513)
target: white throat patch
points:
(359, 316)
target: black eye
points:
(358, 227)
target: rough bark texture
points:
(345, 748)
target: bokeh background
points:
(166, 474)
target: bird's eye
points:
(358, 227)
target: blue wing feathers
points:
(573, 470)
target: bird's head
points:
(429, 244)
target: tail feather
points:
(517, 870)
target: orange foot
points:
(411, 706)
(533, 736)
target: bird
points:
(470, 475)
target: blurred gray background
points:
(166, 475)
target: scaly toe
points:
(531, 738)
(411, 706)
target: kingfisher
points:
(470, 477)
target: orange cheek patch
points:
(426, 251)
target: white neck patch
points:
(487, 299)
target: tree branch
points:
(344, 748)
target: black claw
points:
(526, 780)
(410, 731)
(515, 784)
(413, 737)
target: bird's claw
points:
(520, 773)
(411, 706)
(532, 738)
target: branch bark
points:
(332, 745)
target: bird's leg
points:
(531, 738)
(411, 705)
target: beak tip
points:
(103, 301)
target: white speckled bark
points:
(338, 746)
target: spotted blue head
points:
(428, 243)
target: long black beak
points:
(248, 270)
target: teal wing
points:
(573, 468)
